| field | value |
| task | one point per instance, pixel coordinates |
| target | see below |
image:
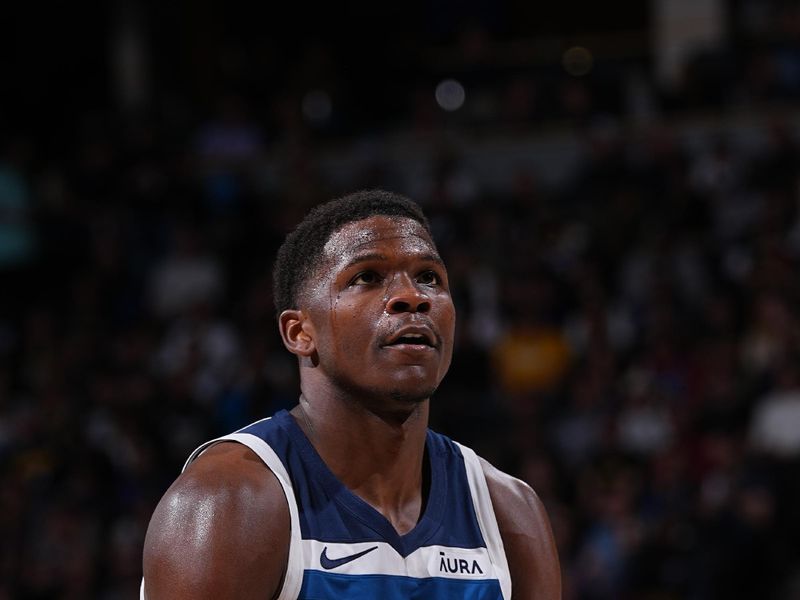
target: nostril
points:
(399, 306)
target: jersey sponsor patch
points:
(380, 558)
(453, 564)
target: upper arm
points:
(222, 530)
(527, 538)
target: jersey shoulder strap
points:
(293, 577)
(484, 511)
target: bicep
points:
(218, 532)
(527, 538)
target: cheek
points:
(446, 321)
(448, 317)
(348, 322)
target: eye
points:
(366, 278)
(429, 278)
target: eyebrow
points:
(377, 257)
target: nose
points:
(405, 296)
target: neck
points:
(378, 455)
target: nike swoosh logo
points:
(332, 563)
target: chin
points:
(397, 393)
(412, 395)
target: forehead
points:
(403, 234)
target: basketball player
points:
(350, 495)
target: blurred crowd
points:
(628, 339)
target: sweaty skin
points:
(222, 529)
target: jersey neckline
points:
(428, 522)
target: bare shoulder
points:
(222, 530)
(527, 537)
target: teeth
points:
(412, 338)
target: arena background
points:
(613, 185)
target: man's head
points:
(364, 301)
(301, 254)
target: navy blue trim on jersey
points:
(392, 587)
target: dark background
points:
(623, 250)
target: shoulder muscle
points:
(527, 537)
(220, 531)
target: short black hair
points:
(301, 253)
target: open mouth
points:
(412, 337)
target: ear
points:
(297, 332)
